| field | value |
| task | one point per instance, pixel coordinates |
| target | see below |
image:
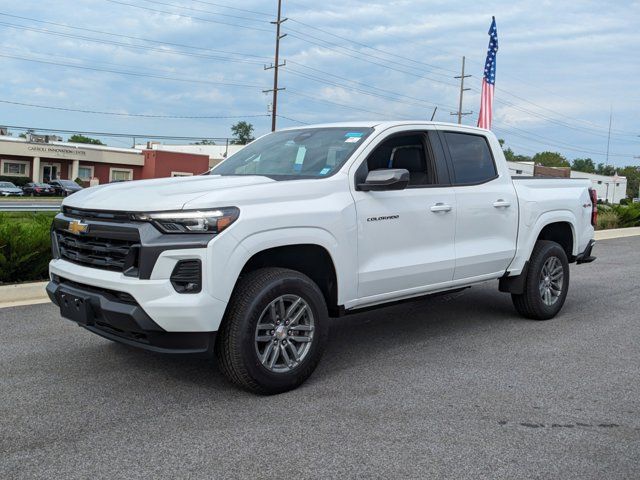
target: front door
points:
(49, 172)
(405, 237)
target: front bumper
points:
(119, 317)
(170, 310)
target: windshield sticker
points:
(325, 170)
(352, 140)
(356, 135)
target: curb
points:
(617, 233)
(23, 294)
(34, 293)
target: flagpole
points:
(609, 136)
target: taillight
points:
(594, 206)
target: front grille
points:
(105, 215)
(106, 253)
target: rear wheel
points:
(547, 282)
(274, 332)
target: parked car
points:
(249, 261)
(8, 189)
(38, 189)
(64, 188)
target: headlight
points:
(191, 221)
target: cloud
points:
(559, 63)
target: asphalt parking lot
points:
(449, 387)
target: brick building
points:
(44, 161)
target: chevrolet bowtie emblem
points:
(77, 227)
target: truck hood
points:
(161, 193)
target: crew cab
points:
(247, 261)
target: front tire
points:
(547, 282)
(274, 331)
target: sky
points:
(192, 68)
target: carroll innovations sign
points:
(55, 151)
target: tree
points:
(633, 180)
(607, 170)
(205, 142)
(511, 156)
(77, 138)
(583, 165)
(242, 133)
(550, 159)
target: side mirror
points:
(385, 179)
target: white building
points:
(216, 153)
(611, 189)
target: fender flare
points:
(225, 278)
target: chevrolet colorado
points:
(247, 261)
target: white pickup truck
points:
(247, 261)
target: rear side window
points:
(471, 158)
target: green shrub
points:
(607, 219)
(628, 215)
(25, 246)
(17, 181)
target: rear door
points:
(487, 219)
(405, 237)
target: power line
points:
(366, 60)
(208, 20)
(129, 45)
(233, 8)
(121, 114)
(135, 74)
(555, 143)
(130, 37)
(393, 54)
(112, 134)
(155, 2)
(294, 120)
(329, 102)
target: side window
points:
(408, 152)
(471, 158)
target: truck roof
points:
(386, 124)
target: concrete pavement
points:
(453, 387)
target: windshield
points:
(67, 183)
(7, 185)
(300, 153)
(45, 185)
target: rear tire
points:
(274, 331)
(547, 282)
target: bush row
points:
(25, 246)
(17, 181)
(618, 216)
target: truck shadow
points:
(355, 340)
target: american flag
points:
(489, 79)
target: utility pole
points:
(462, 76)
(275, 66)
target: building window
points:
(85, 172)
(15, 168)
(120, 174)
(181, 174)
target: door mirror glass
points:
(385, 179)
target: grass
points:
(30, 199)
(25, 246)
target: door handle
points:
(501, 204)
(440, 207)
